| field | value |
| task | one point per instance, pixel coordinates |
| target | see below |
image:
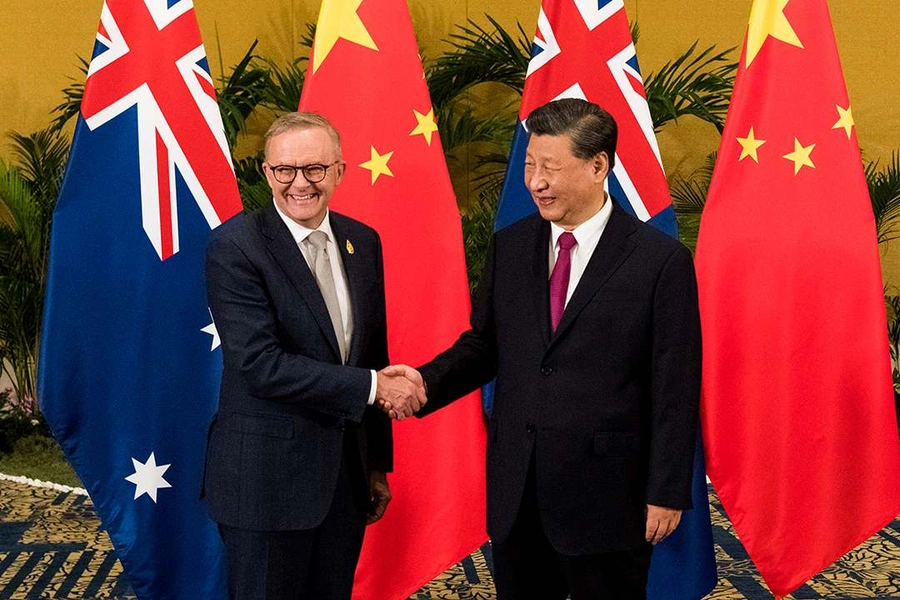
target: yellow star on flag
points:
(845, 121)
(338, 19)
(767, 20)
(749, 146)
(800, 156)
(378, 165)
(426, 127)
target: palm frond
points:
(254, 189)
(884, 192)
(689, 198)
(42, 158)
(479, 55)
(240, 92)
(478, 228)
(697, 84)
(689, 193)
(283, 93)
(23, 235)
(459, 126)
(72, 95)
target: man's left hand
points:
(380, 493)
(661, 522)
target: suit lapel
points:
(540, 268)
(612, 249)
(288, 256)
(355, 270)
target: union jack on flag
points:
(149, 55)
(130, 364)
(583, 49)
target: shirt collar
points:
(299, 232)
(590, 228)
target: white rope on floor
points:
(44, 484)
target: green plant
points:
(28, 194)
(688, 199)
(240, 92)
(884, 192)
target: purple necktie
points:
(559, 280)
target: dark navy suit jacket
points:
(606, 406)
(286, 400)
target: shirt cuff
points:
(373, 388)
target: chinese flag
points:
(366, 77)
(797, 412)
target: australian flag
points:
(130, 364)
(583, 49)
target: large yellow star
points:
(378, 165)
(338, 19)
(426, 127)
(845, 121)
(749, 146)
(767, 20)
(800, 156)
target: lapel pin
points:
(349, 247)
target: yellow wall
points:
(39, 48)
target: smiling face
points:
(567, 190)
(304, 202)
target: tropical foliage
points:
(27, 197)
(476, 88)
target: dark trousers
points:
(312, 564)
(527, 567)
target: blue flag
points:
(584, 50)
(130, 365)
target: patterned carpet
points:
(51, 546)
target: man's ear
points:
(600, 164)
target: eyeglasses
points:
(313, 173)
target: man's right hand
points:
(400, 391)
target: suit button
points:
(546, 370)
(529, 428)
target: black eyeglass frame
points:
(304, 169)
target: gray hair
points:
(590, 128)
(299, 121)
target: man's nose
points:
(536, 182)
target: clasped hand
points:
(400, 391)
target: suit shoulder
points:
(232, 229)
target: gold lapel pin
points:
(349, 247)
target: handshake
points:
(400, 391)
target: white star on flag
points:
(148, 477)
(211, 330)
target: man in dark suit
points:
(589, 320)
(297, 454)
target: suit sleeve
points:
(472, 360)
(675, 385)
(247, 326)
(379, 438)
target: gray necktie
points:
(316, 243)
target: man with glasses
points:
(298, 452)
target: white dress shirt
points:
(586, 235)
(300, 233)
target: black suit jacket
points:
(286, 400)
(607, 405)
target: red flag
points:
(797, 411)
(366, 77)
